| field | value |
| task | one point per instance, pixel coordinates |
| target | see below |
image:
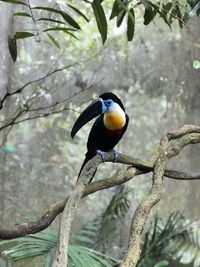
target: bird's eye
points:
(108, 102)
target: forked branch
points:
(171, 145)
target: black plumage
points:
(100, 137)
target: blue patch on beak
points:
(104, 107)
(108, 103)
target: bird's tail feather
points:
(87, 158)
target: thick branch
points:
(143, 210)
(184, 130)
(69, 212)
(170, 146)
(138, 167)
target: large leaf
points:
(100, 19)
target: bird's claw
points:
(116, 155)
(102, 155)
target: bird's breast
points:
(114, 120)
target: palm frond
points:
(109, 221)
(98, 232)
(88, 233)
(176, 237)
(44, 242)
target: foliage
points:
(175, 238)
(99, 232)
(42, 244)
(57, 19)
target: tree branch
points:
(138, 167)
(143, 210)
(170, 146)
(69, 212)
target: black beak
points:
(93, 110)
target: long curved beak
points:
(93, 110)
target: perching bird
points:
(108, 128)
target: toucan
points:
(108, 128)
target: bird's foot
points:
(102, 155)
(116, 155)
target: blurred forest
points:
(56, 76)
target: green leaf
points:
(42, 244)
(51, 20)
(196, 64)
(83, 239)
(118, 6)
(65, 16)
(22, 14)
(66, 30)
(53, 40)
(100, 19)
(162, 14)
(131, 24)
(120, 17)
(14, 2)
(167, 7)
(179, 15)
(48, 259)
(70, 20)
(21, 35)
(79, 12)
(149, 13)
(12, 46)
(115, 10)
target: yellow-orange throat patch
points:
(114, 119)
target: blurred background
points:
(153, 76)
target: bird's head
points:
(107, 103)
(110, 99)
